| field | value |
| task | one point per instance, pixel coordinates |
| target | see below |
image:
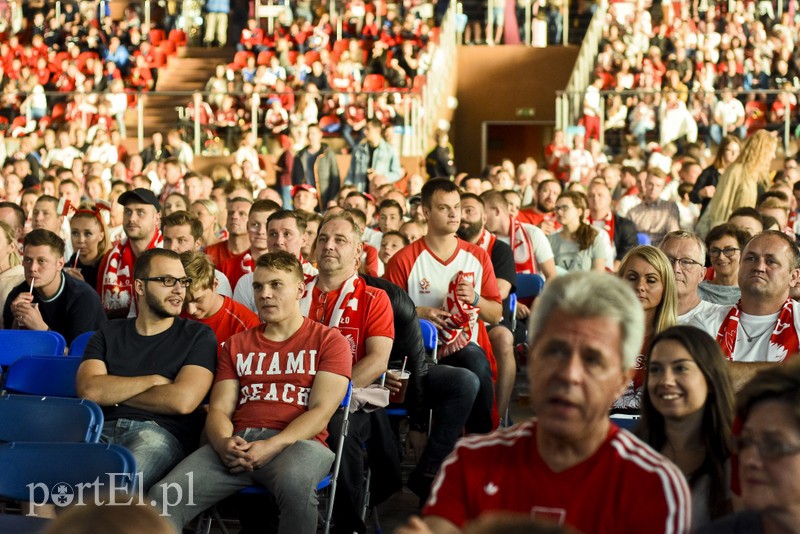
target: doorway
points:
(516, 141)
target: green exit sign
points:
(526, 112)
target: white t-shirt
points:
(698, 316)
(542, 250)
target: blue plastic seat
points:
(33, 418)
(529, 285)
(43, 375)
(15, 344)
(643, 239)
(78, 344)
(512, 308)
(430, 337)
(628, 422)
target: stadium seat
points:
(51, 465)
(529, 285)
(264, 57)
(311, 57)
(178, 37)
(78, 344)
(168, 47)
(512, 308)
(17, 343)
(373, 83)
(329, 124)
(56, 419)
(626, 421)
(43, 375)
(240, 58)
(642, 238)
(156, 36)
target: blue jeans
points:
(717, 133)
(473, 358)
(291, 476)
(450, 392)
(155, 448)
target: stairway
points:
(187, 71)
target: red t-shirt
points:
(231, 319)
(275, 378)
(232, 266)
(377, 318)
(624, 487)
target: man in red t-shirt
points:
(222, 314)
(275, 391)
(570, 465)
(339, 298)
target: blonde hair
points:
(14, 258)
(199, 268)
(666, 312)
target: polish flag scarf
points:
(607, 224)
(783, 341)
(116, 288)
(346, 311)
(486, 241)
(522, 248)
(462, 321)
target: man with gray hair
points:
(570, 464)
(686, 253)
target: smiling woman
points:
(725, 244)
(687, 413)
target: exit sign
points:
(526, 112)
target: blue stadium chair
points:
(430, 337)
(32, 418)
(43, 375)
(628, 422)
(529, 285)
(78, 344)
(57, 468)
(512, 308)
(17, 343)
(328, 481)
(642, 238)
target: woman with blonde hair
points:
(739, 185)
(207, 212)
(650, 274)
(91, 241)
(11, 272)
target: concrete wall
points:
(494, 82)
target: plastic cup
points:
(400, 396)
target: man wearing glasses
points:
(150, 374)
(686, 253)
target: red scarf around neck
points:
(486, 241)
(347, 315)
(783, 341)
(522, 248)
(116, 288)
(608, 224)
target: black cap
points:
(140, 195)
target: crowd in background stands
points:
(693, 71)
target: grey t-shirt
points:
(569, 257)
(727, 295)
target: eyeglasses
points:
(728, 251)
(169, 281)
(768, 448)
(685, 263)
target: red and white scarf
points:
(522, 247)
(462, 321)
(486, 241)
(608, 224)
(347, 316)
(783, 341)
(116, 290)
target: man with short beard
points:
(150, 374)
(140, 222)
(544, 214)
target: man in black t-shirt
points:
(48, 299)
(473, 221)
(151, 373)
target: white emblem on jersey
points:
(491, 489)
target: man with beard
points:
(140, 222)
(544, 214)
(473, 219)
(150, 374)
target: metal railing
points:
(567, 106)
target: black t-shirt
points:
(89, 272)
(504, 269)
(74, 310)
(126, 353)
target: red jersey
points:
(275, 378)
(232, 266)
(373, 316)
(624, 487)
(231, 319)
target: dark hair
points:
(494, 198)
(181, 218)
(473, 196)
(746, 211)
(233, 185)
(142, 267)
(778, 382)
(718, 232)
(717, 411)
(18, 211)
(359, 216)
(434, 185)
(281, 215)
(264, 205)
(48, 198)
(184, 198)
(795, 253)
(586, 233)
(546, 182)
(778, 195)
(41, 237)
(390, 203)
(395, 233)
(280, 260)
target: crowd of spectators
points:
(687, 71)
